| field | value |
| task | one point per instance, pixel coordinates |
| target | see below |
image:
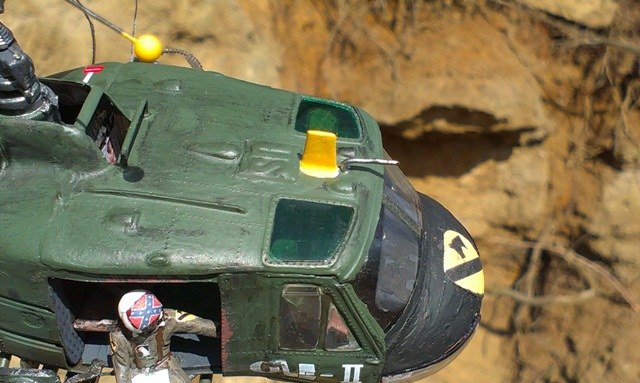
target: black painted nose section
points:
(444, 309)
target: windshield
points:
(316, 114)
(392, 262)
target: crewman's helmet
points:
(140, 311)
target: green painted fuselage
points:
(187, 183)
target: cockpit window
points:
(398, 263)
(338, 337)
(300, 310)
(327, 116)
(306, 231)
(304, 312)
(400, 196)
(392, 261)
(108, 128)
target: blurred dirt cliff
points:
(522, 117)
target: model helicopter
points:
(276, 214)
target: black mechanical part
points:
(72, 343)
(21, 93)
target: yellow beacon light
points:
(147, 48)
(319, 156)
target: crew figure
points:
(140, 347)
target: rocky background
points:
(522, 117)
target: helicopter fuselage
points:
(188, 183)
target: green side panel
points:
(246, 341)
(28, 320)
(208, 158)
(32, 349)
(253, 347)
(49, 143)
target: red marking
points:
(93, 69)
(146, 311)
(225, 334)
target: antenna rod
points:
(344, 165)
(147, 48)
(102, 20)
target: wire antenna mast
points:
(147, 48)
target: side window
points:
(300, 310)
(306, 231)
(108, 128)
(338, 337)
(307, 317)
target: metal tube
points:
(344, 165)
(96, 16)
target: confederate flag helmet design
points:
(140, 310)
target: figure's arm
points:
(190, 323)
(120, 357)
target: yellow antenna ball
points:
(147, 48)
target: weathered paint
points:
(252, 345)
(192, 200)
(193, 211)
(204, 164)
(226, 333)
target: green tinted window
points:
(308, 231)
(336, 118)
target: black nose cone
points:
(444, 309)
